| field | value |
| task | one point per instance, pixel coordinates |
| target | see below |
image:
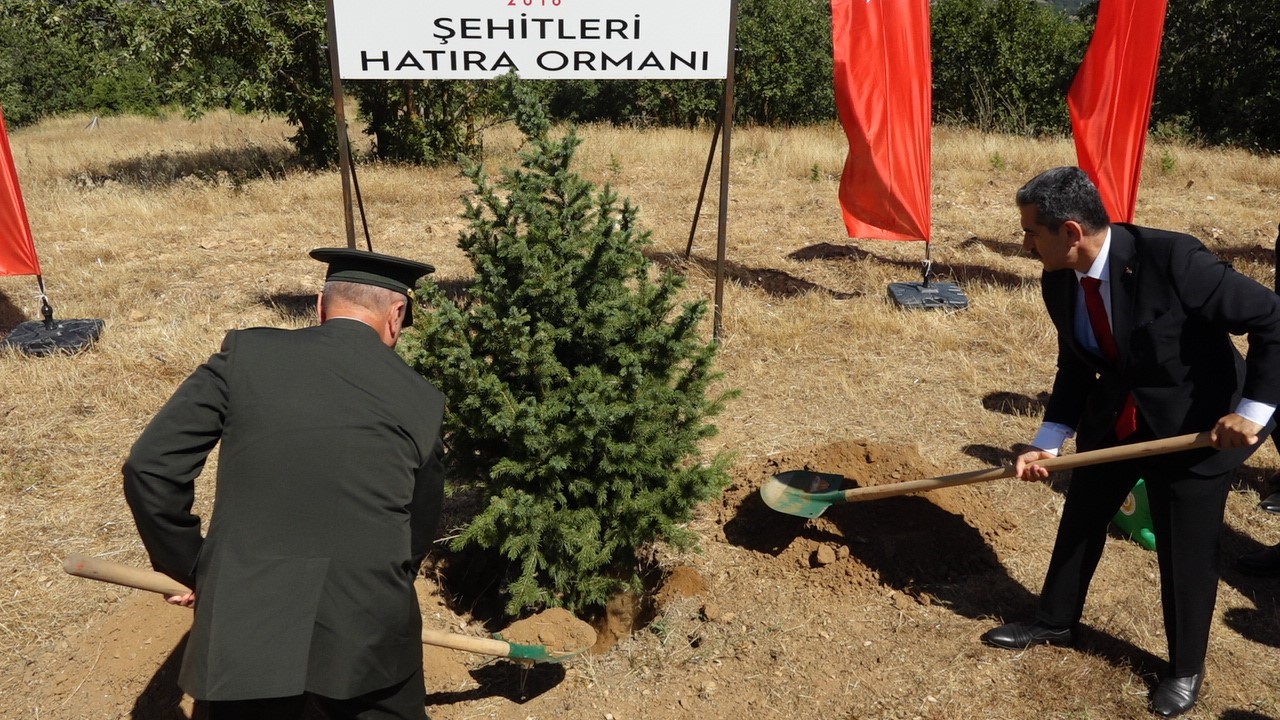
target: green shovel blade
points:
(536, 653)
(803, 493)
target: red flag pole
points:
(884, 96)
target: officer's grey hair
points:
(369, 297)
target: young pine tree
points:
(578, 391)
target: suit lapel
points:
(1122, 266)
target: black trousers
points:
(403, 701)
(1186, 515)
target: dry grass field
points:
(173, 232)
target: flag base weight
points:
(928, 296)
(39, 337)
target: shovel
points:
(807, 494)
(128, 576)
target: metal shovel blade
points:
(804, 493)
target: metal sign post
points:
(344, 148)
(722, 226)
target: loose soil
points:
(871, 610)
(556, 629)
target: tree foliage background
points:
(999, 65)
(1220, 72)
(1005, 65)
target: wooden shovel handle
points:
(467, 643)
(121, 574)
(1062, 462)
(152, 581)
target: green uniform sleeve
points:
(160, 472)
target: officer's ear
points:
(393, 322)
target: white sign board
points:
(538, 39)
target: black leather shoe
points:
(1264, 563)
(1022, 635)
(1174, 696)
(1271, 503)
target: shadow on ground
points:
(917, 548)
(161, 697)
(512, 681)
(962, 274)
(10, 316)
(775, 283)
(1011, 403)
(236, 166)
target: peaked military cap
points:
(370, 268)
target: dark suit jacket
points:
(328, 493)
(1173, 306)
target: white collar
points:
(1101, 263)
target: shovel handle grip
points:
(1063, 462)
(120, 574)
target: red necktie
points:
(1127, 420)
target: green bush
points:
(785, 74)
(1005, 65)
(1220, 72)
(42, 71)
(578, 392)
(429, 122)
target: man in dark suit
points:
(328, 492)
(1266, 562)
(1148, 356)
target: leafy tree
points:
(1220, 72)
(636, 102)
(578, 392)
(270, 56)
(784, 77)
(252, 55)
(1005, 65)
(425, 122)
(58, 57)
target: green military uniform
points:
(328, 493)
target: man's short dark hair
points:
(1065, 193)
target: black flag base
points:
(929, 294)
(932, 295)
(47, 337)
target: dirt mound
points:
(893, 541)
(556, 629)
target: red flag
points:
(1110, 99)
(17, 247)
(884, 94)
